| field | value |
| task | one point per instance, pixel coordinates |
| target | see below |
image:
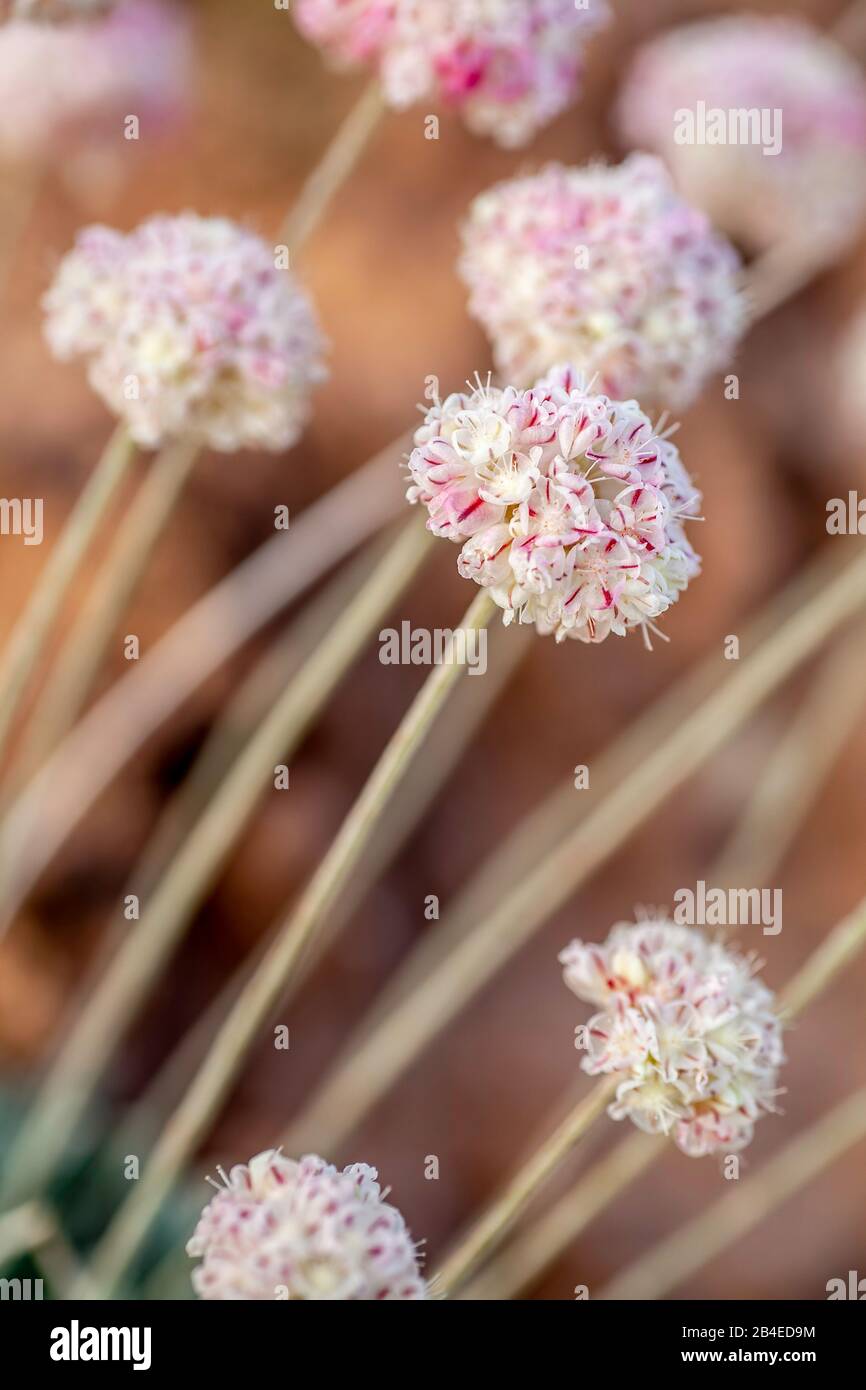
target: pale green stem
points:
(225, 1058)
(247, 707)
(333, 168)
(525, 1259)
(81, 661)
(24, 1228)
(495, 1223)
(243, 713)
(379, 1059)
(744, 1206)
(111, 1009)
(198, 644)
(825, 963)
(529, 1254)
(30, 634)
(81, 656)
(798, 766)
(438, 759)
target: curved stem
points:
(526, 1258)
(333, 168)
(226, 1056)
(48, 809)
(375, 1062)
(31, 632)
(745, 1205)
(115, 1003)
(435, 764)
(494, 1224)
(82, 654)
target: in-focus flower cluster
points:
(280, 1229)
(53, 11)
(189, 330)
(69, 87)
(747, 68)
(509, 66)
(688, 1026)
(607, 268)
(569, 507)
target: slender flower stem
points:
(24, 1228)
(492, 1227)
(225, 1058)
(21, 188)
(247, 706)
(844, 942)
(48, 809)
(333, 168)
(526, 1257)
(798, 766)
(116, 1001)
(435, 763)
(31, 632)
(82, 654)
(529, 1254)
(241, 716)
(744, 1206)
(379, 1059)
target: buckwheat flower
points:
(54, 11)
(189, 329)
(509, 67)
(66, 89)
(568, 506)
(280, 1229)
(762, 120)
(685, 1023)
(607, 268)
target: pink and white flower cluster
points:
(813, 189)
(687, 1025)
(281, 1229)
(507, 65)
(569, 507)
(70, 87)
(189, 330)
(605, 267)
(54, 11)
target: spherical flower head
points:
(569, 507)
(189, 330)
(66, 89)
(280, 1229)
(686, 1025)
(605, 267)
(508, 66)
(803, 175)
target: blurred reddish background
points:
(382, 272)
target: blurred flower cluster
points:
(303, 1230)
(812, 188)
(608, 268)
(68, 88)
(189, 330)
(569, 505)
(508, 66)
(692, 1031)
